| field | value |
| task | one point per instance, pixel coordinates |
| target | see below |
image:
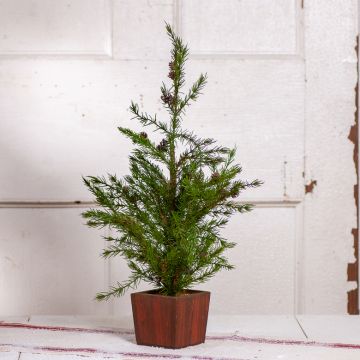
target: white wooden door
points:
(282, 75)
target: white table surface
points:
(228, 337)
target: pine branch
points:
(194, 92)
(146, 119)
(148, 147)
(120, 288)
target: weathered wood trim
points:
(261, 203)
(353, 268)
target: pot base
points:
(170, 321)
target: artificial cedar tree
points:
(168, 212)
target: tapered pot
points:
(170, 321)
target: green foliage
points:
(168, 212)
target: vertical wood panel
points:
(55, 27)
(49, 263)
(60, 119)
(264, 277)
(139, 29)
(240, 27)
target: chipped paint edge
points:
(353, 267)
(309, 188)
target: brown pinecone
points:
(163, 145)
(171, 75)
(215, 176)
(143, 134)
(167, 99)
(133, 198)
(171, 65)
(224, 193)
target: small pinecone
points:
(143, 134)
(223, 193)
(171, 75)
(171, 65)
(167, 99)
(133, 198)
(163, 145)
(215, 176)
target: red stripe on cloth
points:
(210, 337)
(94, 351)
(284, 342)
(64, 328)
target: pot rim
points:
(189, 292)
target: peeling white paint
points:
(330, 212)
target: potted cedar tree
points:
(167, 215)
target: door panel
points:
(281, 88)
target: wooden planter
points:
(170, 321)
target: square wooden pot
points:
(170, 321)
